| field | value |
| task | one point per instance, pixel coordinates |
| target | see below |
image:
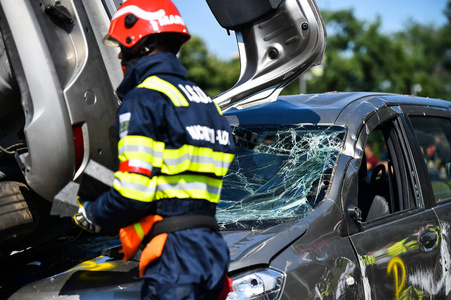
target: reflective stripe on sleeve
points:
(142, 188)
(135, 186)
(141, 148)
(196, 159)
(162, 86)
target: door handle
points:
(428, 240)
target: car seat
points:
(370, 200)
(379, 208)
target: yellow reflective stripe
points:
(196, 159)
(132, 147)
(139, 230)
(189, 186)
(162, 86)
(218, 108)
(174, 161)
(142, 188)
(135, 186)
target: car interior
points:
(384, 184)
(372, 199)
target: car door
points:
(433, 133)
(277, 41)
(398, 237)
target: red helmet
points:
(136, 19)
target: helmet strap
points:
(133, 54)
(170, 41)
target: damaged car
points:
(58, 109)
(341, 195)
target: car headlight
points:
(262, 284)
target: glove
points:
(82, 220)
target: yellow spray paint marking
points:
(395, 266)
(93, 265)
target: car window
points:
(434, 137)
(278, 173)
(386, 183)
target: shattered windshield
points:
(279, 173)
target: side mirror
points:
(354, 213)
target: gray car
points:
(308, 216)
(330, 196)
(304, 215)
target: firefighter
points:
(175, 146)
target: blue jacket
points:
(175, 146)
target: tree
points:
(360, 58)
(429, 50)
(212, 74)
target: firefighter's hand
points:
(82, 220)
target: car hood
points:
(108, 277)
(257, 247)
(278, 40)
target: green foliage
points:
(359, 57)
(211, 73)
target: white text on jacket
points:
(204, 133)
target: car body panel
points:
(391, 264)
(66, 60)
(258, 247)
(319, 263)
(98, 278)
(35, 56)
(274, 49)
(439, 280)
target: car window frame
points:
(404, 184)
(405, 138)
(438, 112)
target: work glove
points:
(81, 218)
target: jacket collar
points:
(161, 63)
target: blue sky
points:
(394, 15)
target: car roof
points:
(324, 108)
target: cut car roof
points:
(320, 108)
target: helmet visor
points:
(110, 41)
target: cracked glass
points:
(279, 173)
